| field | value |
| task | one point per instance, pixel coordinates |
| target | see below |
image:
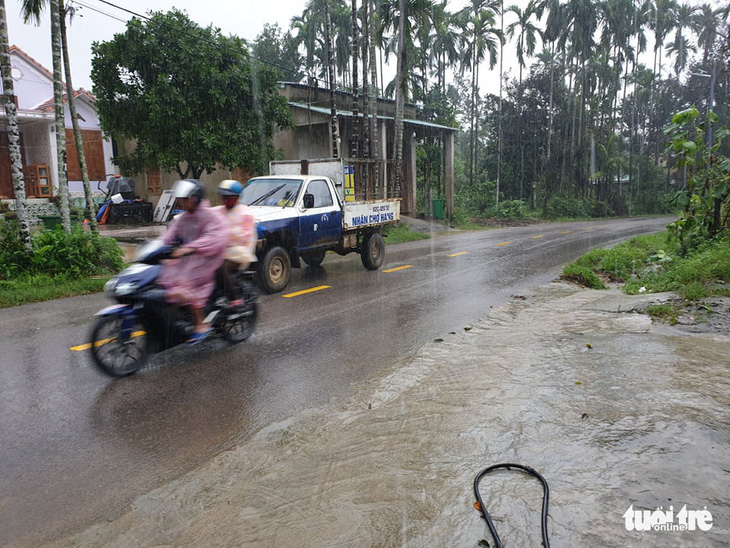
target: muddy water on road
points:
(611, 411)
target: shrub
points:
(57, 254)
(599, 208)
(512, 209)
(558, 207)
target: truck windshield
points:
(271, 192)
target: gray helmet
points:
(187, 188)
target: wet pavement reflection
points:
(615, 413)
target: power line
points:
(182, 31)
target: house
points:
(312, 137)
(33, 85)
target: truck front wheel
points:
(275, 270)
(314, 258)
(372, 251)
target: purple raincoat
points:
(191, 279)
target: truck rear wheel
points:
(372, 251)
(275, 270)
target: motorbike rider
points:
(203, 231)
(241, 251)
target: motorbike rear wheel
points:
(239, 324)
(119, 345)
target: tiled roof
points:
(32, 61)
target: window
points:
(321, 192)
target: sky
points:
(99, 20)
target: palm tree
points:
(527, 33)
(310, 30)
(90, 209)
(478, 41)
(59, 112)
(444, 42)
(551, 35)
(31, 11)
(685, 15)
(405, 18)
(582, 18)
(526, 42)
(11, 115)
(400, 93)
(662, 22)
(706, 22)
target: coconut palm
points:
(11, 120)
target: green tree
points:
(278, 49)
(190, 97)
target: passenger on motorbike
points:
(241, 250)
(203, 233)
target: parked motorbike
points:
(126, 334)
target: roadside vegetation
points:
(647, 264)
(692, 258)
(399, 233)
(59, 264)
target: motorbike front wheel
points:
(119, 344)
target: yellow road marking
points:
(305, 291)
(566, 231)
(504, 243)
(86, 346)
(587, 229)
(538, 237)
(398, 268)
(459, 253)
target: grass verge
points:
(31, 289)
(400, 233)
(650, 263)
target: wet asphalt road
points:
(76, 448)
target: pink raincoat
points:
(190, 280)
(242, 236)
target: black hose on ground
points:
(526, 470)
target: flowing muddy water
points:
(612, 411)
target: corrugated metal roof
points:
(348, 113)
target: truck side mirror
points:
(308, 201)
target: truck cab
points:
(300, 217)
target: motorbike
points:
(142, 323)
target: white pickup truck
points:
(301, 217)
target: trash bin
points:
(437, 205)
(50, 222)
